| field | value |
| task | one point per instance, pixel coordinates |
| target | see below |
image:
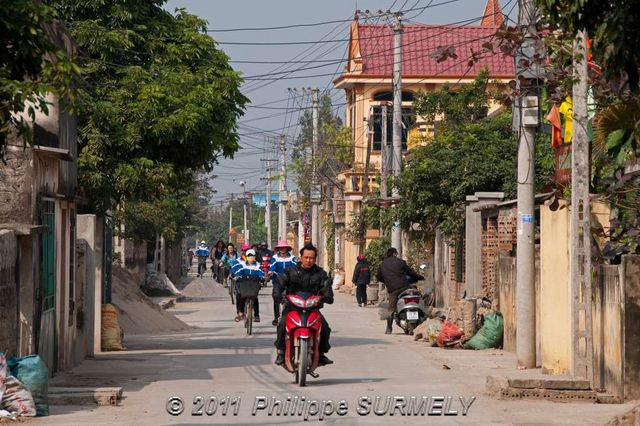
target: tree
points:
(469, 152)
(335, 147)
(31, 66)
(612, 27)
(159, 105)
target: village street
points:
(217, 358)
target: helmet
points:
(251, 252)
(203, 242)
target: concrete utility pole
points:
(245, 230)
(267, 208)
(316, 189)
(581, 326)
(396, 232)
(525, 250)
(384, 150)
(282, 193)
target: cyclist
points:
(216, 265)
(247, 271)
(229, 258)
(280, 261)
(203, 254)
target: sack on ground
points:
(17, 398)
(383, 310)
(450, 334)
(422, 331)
(3, 373)
(490, 335)
(33, 372)
(433, 331)
(111, 331)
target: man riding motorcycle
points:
(395, 274)
(309, 278)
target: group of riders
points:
(255, 265)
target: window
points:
(407, 121)
(388, 96)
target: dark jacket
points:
(393, 272)
(361, 273)
(313, 280)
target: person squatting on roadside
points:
(394, 273)
(249, 270)
(361, 279)
(309, 278)
(280, 261)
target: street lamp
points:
(244, 227)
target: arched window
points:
(388, 96)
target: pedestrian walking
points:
(361, 279)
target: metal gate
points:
(108, 259)
(46, 336)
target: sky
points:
(273, 107)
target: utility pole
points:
(528, 112)
(245, 230)
(316, 190)
(267, 213)
(580, 268)
(282, 193)
(384, 158)
(396, 232)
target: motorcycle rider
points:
(280, 261)
(247, 270)
(305, 277)
(394, 273)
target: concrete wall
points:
(631, 311)
(8, 293)
(91, 235)
(555, 289)
(16, 185)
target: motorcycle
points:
(302, 325)
(413, 307)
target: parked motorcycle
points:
(303, 324)
(414, 306)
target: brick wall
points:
(498, 234)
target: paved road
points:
(217, 359)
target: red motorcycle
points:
(303, 324)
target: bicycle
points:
(202, 267)
(230, 284)
(250, 294)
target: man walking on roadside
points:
(361, 279)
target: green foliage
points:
(468, 103)
(159, 105)
(335, 148)
(375, 253)
(31, 66)
(458, 162)
(612, 27)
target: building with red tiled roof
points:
(432, 55)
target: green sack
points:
(33, 372)
(490, 335)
